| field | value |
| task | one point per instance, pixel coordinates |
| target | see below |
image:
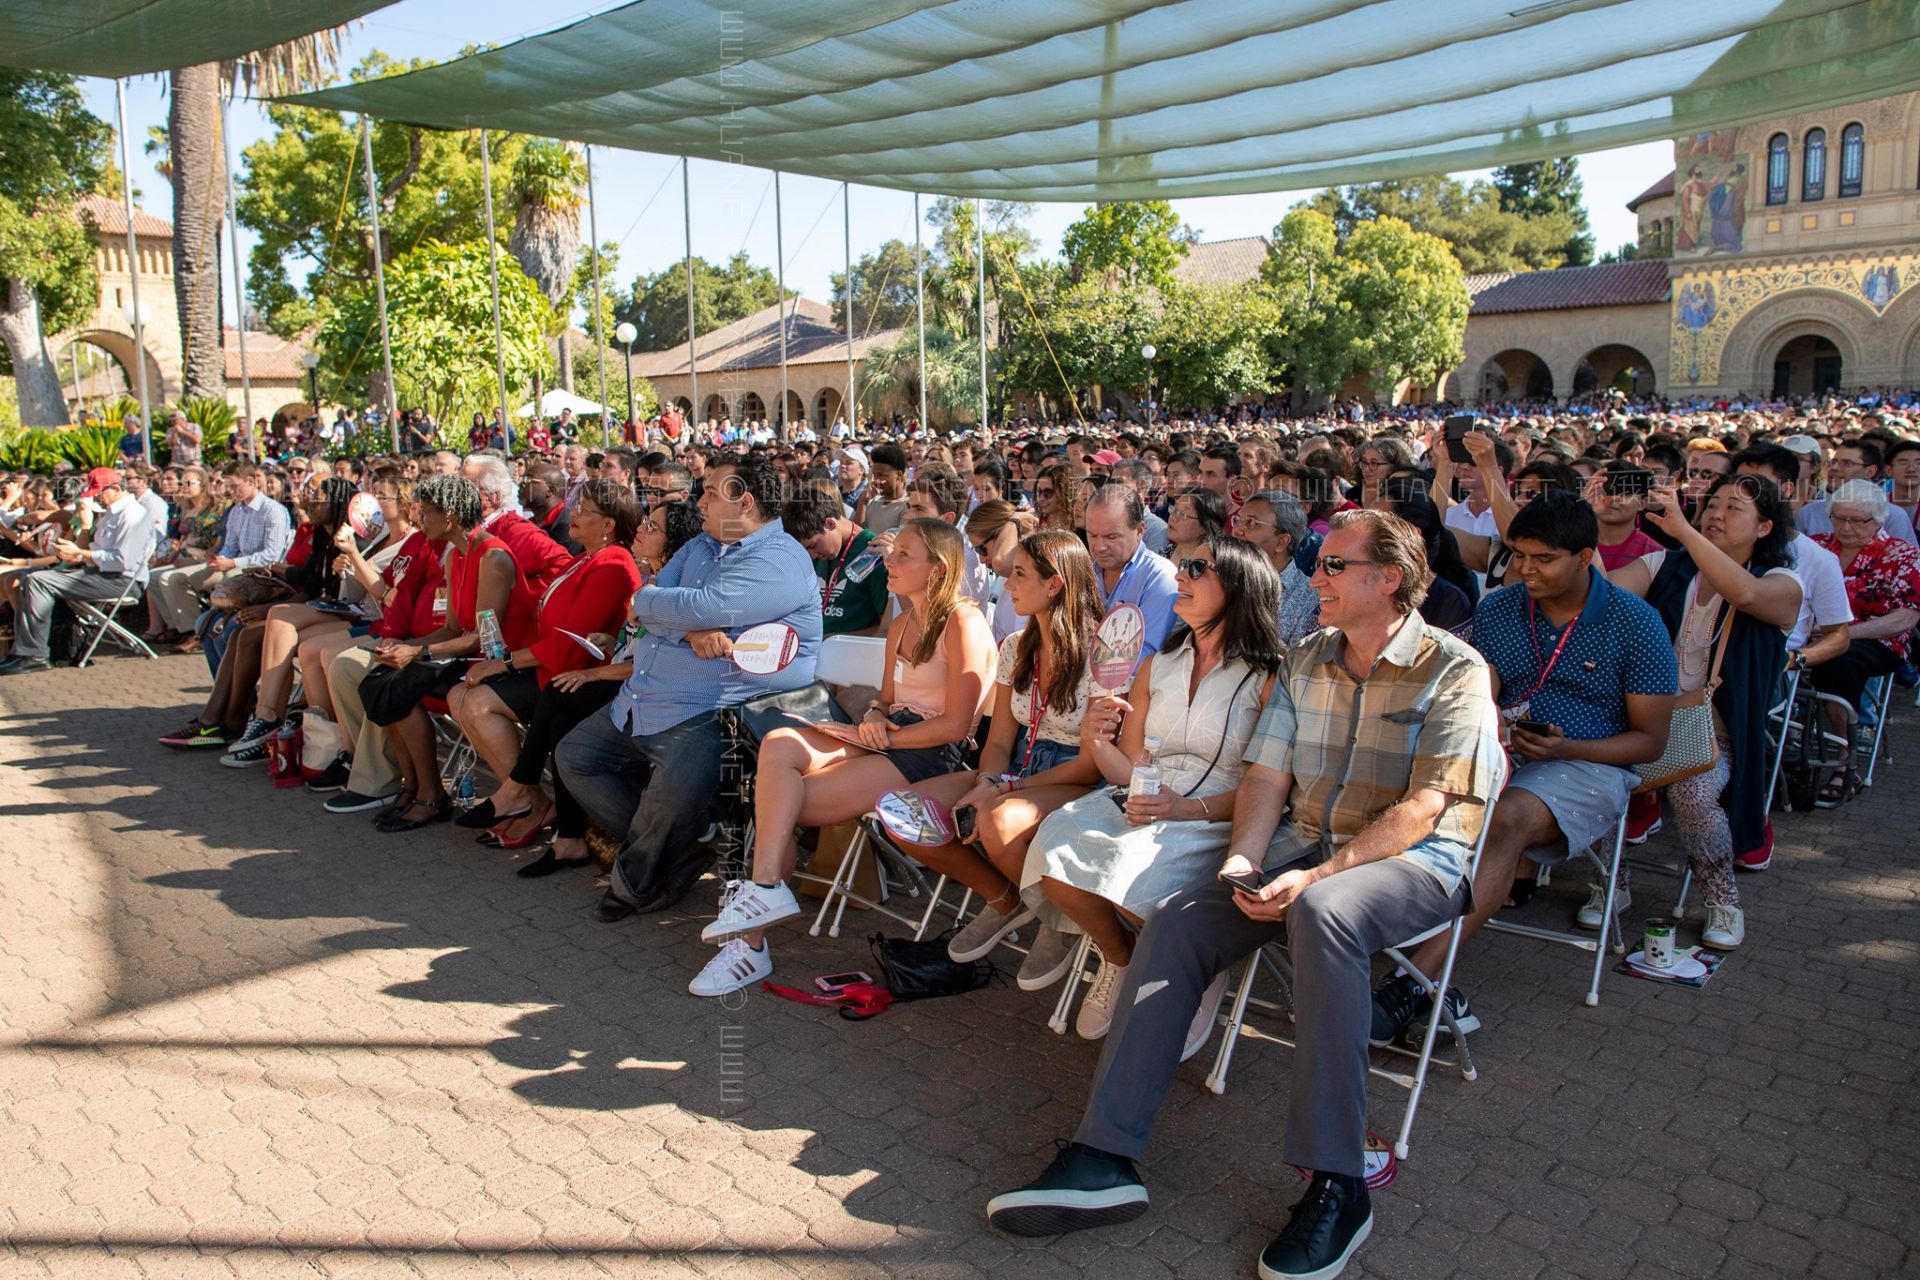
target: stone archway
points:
(118, 347)
(1515, 374)
(796, 410)
(752, 407)
(1613, 365)
(828, 404)
(1747, 358)
(1808, 365)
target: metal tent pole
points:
(239, 290)
(133, 274)
(980, 291)
(920, 306)
(493, 268)
(693, 355)
(780, 281)
(599, 338)
(846, 210)
(380, 288)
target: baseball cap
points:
(1106, 457)
(1802, 444)
(854, 453)
(100, 478)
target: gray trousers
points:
(34, 625)
(1331, 932)
(178, 590)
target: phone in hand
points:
(1540, 728)
(1246, 881)
(1457, 428)
(964, 819)
(1628, 482)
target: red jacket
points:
(591, 596)
(539, 558)
(415, 574)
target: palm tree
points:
(547, 182)
(894, 371)
(197, 167)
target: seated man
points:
(116, 554)
(1383, 733)
(1585, 676)
(652, 766)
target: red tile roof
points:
(1223, 262)
(1664, 187)
(110, 216)
(269, 358)
(753, 342)
(1612, 284)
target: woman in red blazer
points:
(585, 604)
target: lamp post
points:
(625, 333)
(1147, 352)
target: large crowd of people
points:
(1370, 647)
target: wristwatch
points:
(426, 653)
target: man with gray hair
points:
(538, 556)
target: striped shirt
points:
(258, 533)
(1424, 718)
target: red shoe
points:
(1757, 859)
(1643, 817)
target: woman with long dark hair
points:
(1105, 860)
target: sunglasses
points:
(1194, 570)
(1334, 566)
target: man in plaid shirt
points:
(1383, 735)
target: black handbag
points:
(390, 694)
(919, 970)
(755, 718)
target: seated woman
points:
(481, 577)
(1734, 571)
(1105, 860)
(1883, 586)
(498, 695)
(939, 658)
(995, 529)
(1025, 773)
(1274, 522)
(572, 696)
(1196, 515)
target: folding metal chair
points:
(102, 618)
(1275, 959)
(1879, 696)
(895, 870)
(451, 740)
(1611, 935)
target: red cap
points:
(1106, 457)
(100, 478)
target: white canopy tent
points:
(552, 403)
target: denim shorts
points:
(1046, 754)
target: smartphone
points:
(1540, 727)
(1246, 881)
(1628, 482)
(1457, 428)
(833, 983)
(964, 819)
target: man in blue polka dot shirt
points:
(1585, 676)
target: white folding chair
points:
(1780, 723)
(851, 660)
(895, 870)
(1879, 695)
(1275, 959)
(1611, 935)
(102, 618)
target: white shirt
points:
(1480, 526)
(1823, 590)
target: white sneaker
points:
(1201, 1029)
(750, 909)
(1096, 1011)
(983, 933)
(1048, 959)
(1594, 912)
(1726, 928)
(736, 966)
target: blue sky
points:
(639, 198)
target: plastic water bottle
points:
(1145, 779)
(864, 563)
(493, 644)
(463, 790)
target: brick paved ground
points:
(239, 1035)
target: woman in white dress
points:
(1105, 861)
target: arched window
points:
(1853, 159)
(1777, 150)
(1813, 167)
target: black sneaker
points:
(354, 802)
(1081, 1188)
(334, 776)
(1456, 1007)
(1329, 1223)
(1396, 1003)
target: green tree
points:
(440, 319)
(657, 305)
(952, 376)
(1628, 252)
(883, 289)
(549, 189)
(1136, 242)
(1212, 343)
(1309, 338)
(952, 300)
(1483, 236)
(1544, 188)
(1409, 299)
(52, 150)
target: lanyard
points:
(826, 587)
(1036, 712)
(1533, 635)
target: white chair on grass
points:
(1273, 957)
(98, 619)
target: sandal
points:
(395, 823)
(502, 831)
(1834, 794)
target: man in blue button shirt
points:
(1129, 572)
(652, 766)
(1585, 676)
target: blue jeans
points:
(659, 789)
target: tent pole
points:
(980, 292)
(493, 267)
(846, 211)
(920, 308)
(239, 291)
(380, 286)
(780, 281)
(133, 276)
(599, 339)
(693, 356)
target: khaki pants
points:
(178, 590)
(375, 772)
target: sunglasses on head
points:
(1194, 570)
(1334, 566)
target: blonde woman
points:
(939, 668)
